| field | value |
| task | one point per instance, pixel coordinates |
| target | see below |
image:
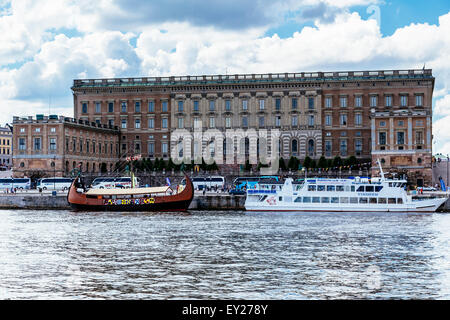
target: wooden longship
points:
(132, 199)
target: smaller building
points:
(5, 147)
(55, 146)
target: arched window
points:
(311, 148)
(294, 147)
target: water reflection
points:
(228, 255)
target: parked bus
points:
(54, 183)
(19, 183)
(241, 184)
(113, 182)
(201, 183)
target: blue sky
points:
(47, 43)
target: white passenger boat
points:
(346, 195)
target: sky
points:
(45, 44)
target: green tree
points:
(322, 162)
(282, 164)
(307, 163)
(337, 161)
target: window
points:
(81, 145)
(164, 123)
(228, 105)
(294, 147)
(110, 107)
(196, 108)
(358, 101)
(151, 148)
(98, 107)
(343, 147)
(164, 106)
(228, 122)
(311, 103)
(197, 122)
(151, 106)
(343, 102)
(261, 104)
(151, 123)
(328, 120)
(373, 101)
(358, 146)
(278, 121)
(180, 123)
(294, 103)
(97, 121)
(331, 188)
(137, 123)
(311, 148)
(212, 122)
(328, 148)
(123, 106)
(52, 129)
(180, 106)
(358, 119)
(277, 104)
(419, 100)
(244, 122)
(123, 123)
(403, 100)
(84, 107)
(311, 120)
(382, 138)
(328, 102)
(343, 119)
(22, 145)
(137, 106)
(419, 123)
(212, 105)
(244, 104)
(294, 121)
(382, 123)
(261, 121)
(400, 137)
(52, 143)
(164, 147)
(111, 122)
(22, 130)
(37, 144)
(388, 101)
(419, 137)
(400, 123)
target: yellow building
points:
(5, 147)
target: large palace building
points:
(383, 115)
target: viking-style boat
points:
(131, 199)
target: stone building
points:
(57, 145)
(382, 114)
(5, 147)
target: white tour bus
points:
(54, 183)
(19, 183)
(111, 182)
(207, 182)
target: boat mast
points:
(381, 170)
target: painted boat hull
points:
(166, 203)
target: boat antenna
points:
(381, 169)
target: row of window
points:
(343, 144)
(338, 188)
(343, 119)
(4, 151)
(373, 101)
(401, 123)
(353, 200)
(124, 106)
(400, 138)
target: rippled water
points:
(227, 255)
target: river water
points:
(223, 255)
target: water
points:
(226, 255)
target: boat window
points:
(299, 187)
(344, 200)
(353, 200)
(391, 200)
(347, 188)
(325, 200)
(399, 200)
(280, 198)
(360, 189)
(316, 199)
(339, 188)
(378, 188)
(362, 200)
(330, 188)
(369, 188)
(334, 200)
(321, 188)
(306, 199)
(390, 184)
(352, 188)
(298, 199)
(382, 200)
(106, 197)
(312, 187)
(373, 200)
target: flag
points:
(168, 181)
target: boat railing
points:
(261, 191)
